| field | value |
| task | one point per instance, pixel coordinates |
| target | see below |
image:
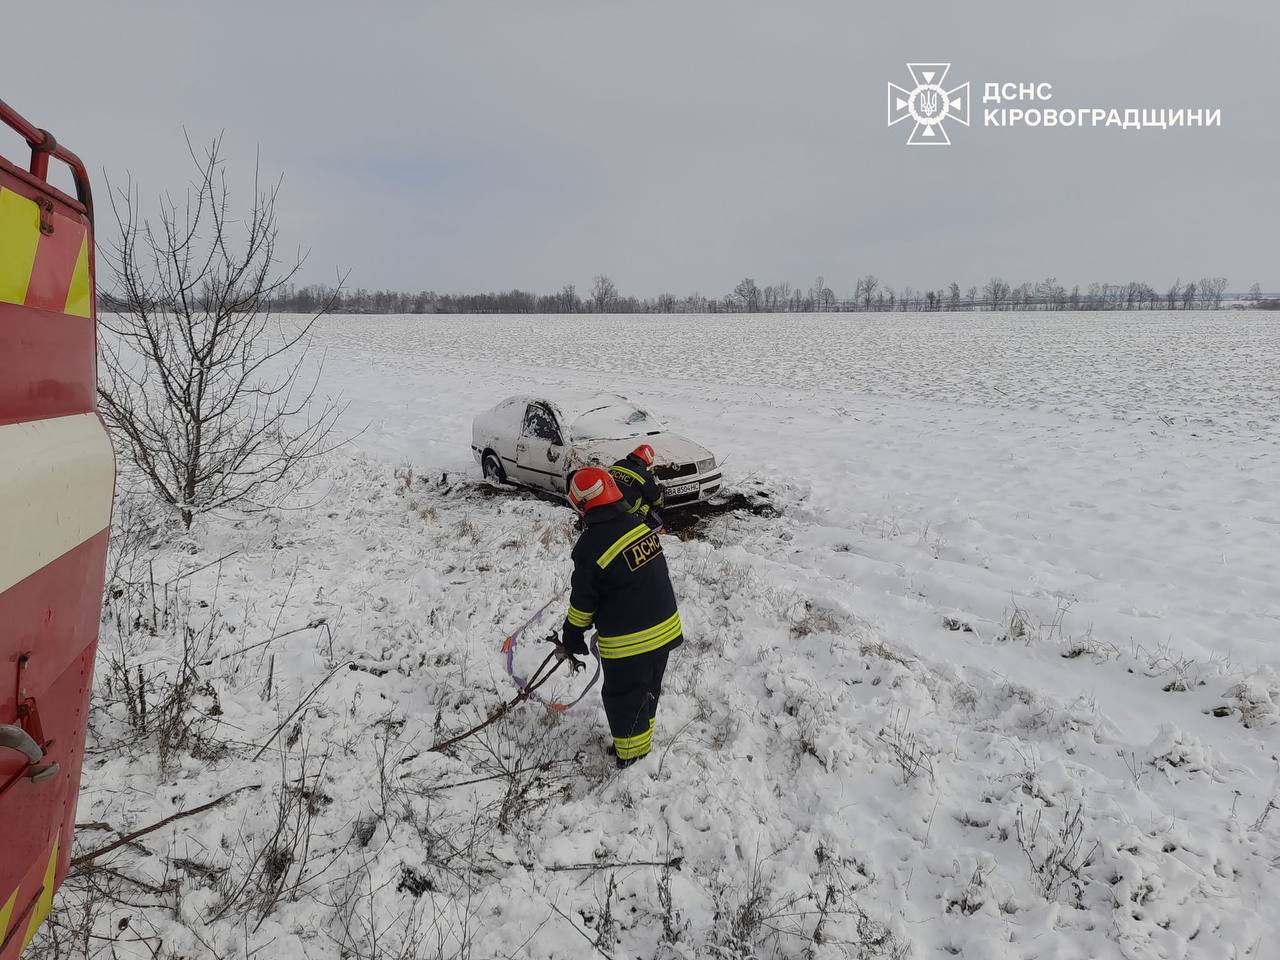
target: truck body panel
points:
(57, 479)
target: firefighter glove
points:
(569, 649)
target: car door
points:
(540, 449)
(498, 429)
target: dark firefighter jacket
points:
(641, 491)
(621, 587)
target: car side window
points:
(540, 424)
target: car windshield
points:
(616, 420)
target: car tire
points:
(492, 468)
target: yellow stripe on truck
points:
(79, 298)
(19, 238)
(5, 913)
(56, 481)
(45, 903)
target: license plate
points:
(681, 489)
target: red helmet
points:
(592, 487)
(645, 453)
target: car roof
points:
(570, 404)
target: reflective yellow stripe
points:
(5, 913)
(642, 641)
(19, 237)
(628, 748)
(45, 903)
(649, 644)
(630, 473)
(671, 621)
(662, 499)
(624, 541)
(580, 618)
(78, 299)
(635, 506)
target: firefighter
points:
(621, 588)
(634, 477)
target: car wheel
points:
(492, 468)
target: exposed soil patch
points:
(690, 523)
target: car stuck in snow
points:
(539, 442)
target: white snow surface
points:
(1018, 604)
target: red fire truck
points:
(57, 479)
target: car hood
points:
(668, 448)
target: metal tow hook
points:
(15, 738)
(562, 655)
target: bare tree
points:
(823, 297)
(746, 296)
(1255, 292)
(1049, 293)
(201, 382)
(1211, 290)
(603, 293)
(869, 285)
(567, 300)
(995, 292)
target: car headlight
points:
(706, 466)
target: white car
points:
(540, 441)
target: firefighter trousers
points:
(632, 686)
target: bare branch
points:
(201, 382)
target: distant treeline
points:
(603, 296)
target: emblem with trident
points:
(929, 104)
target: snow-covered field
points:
(995, 676)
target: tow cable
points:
(529, 686)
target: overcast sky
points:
(682, 146)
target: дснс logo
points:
(929, 104)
